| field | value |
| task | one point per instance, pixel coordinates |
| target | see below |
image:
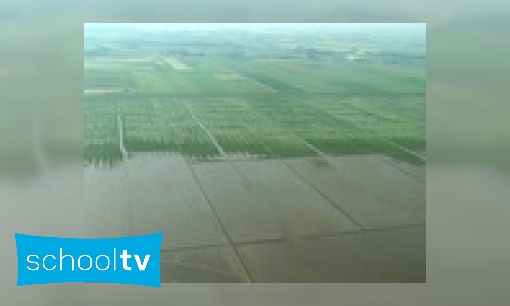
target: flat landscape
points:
(282, 154)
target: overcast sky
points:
(259, 26)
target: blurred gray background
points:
(468, 194)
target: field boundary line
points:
(206, 130)
(225, 157)
(303, 236)
(222, 225)
(125, 157)
(330, 201)
(120, 126)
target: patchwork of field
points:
(259, 170)
(265, 109)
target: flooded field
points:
(233, 221)
(262, 155)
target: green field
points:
(209, 106)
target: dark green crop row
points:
(199, 150)
(107, 153)
(273, 83)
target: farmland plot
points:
(353, 258)
(163, 82)
(258, 163)
(210, 83)
(253, 206)
(107, 82)
(365, 196)
(101, 134)
(402, 192)
(409, 112)
(331, 78)
(207, 65)
(258, 136)
(117, 64)
(417, 172)
(163, 188)
(163, 125)
(325, 129)
(376, 124)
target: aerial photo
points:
(266, 153)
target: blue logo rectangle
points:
(125, 260)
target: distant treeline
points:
(233, 50)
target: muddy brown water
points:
(219, 216)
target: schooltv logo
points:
(125, 260)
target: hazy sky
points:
(261, 26)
